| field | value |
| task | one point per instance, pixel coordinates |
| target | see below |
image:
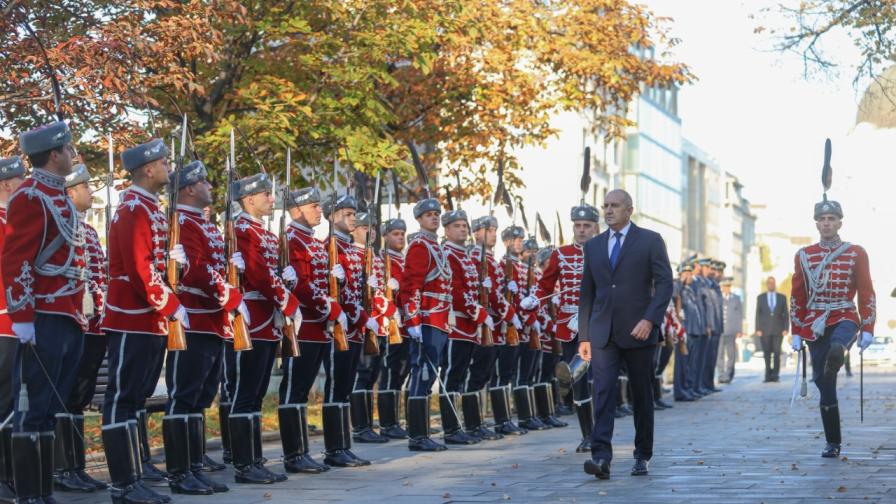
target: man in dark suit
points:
(626, 287)
(772, 321)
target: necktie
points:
(614, 254)
(771, 302)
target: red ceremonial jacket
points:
(381, 309)
(827, 278)
(498, 307)
(352, 289)
(41, 218)
(139, 299)
(468, 313)
(425, 284)
(207, 297)
(263, 290)
(96, 283)
(520, 274)
(396, 260)
(308, 256)
(563, 273)
(5, 321)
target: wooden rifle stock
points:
(534, 339)
(339, 341)
(394, 333)
(177, 339)
(371, 345)
(512, 337)
(556, 346)
(241, 339)
(485, 334)
(290, 345)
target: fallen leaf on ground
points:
(841, 488)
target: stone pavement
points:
(743, 445)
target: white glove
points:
(573, 323)
(416, 333)
(797, 343)
(244, 311)
(489, 322)
(178, 255)
(289, 275)
(237, 260)
(529, 302)
(373, 282)
(393, 284)
(555, 300)
(372, 325)
(25, 332)
(338, 272)
(487, 283)
(513, 287)
(865, 342)
(343, 321)
(181, 316)
(516, 323)
(297, 319)
(537, 327)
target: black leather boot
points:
(418, 426)
(134, 437)
(501, 411)
(453, 433)
(830, 419)
(150, 471)
(47, 451)
(196, 433)
(473, 418)
(544, 405)
(123, 460)
(7, 494)
(562, 405)
(80, 460)
(387, 406)
(362, 423)
(65, 476)
(524, 412)
(306, 445)
(335, 442)
(27, 467)
(175, 434)
(295, 459)
(345, 408)
(209, 464)
(260, 460)
(585, 412)
(223, 416)
(242, 445)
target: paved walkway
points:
(743, 445)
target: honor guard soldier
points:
(714, 276)
(694, 320)
(341, 367)
(138, 307)
(529, 358)
(395, 359)
(563, 274)
(832, 302)
(697, 360)
(426, 298)
(12, 174)
(308, 257)
(482, 367)
(369, 366)
(193, 375)
(44, 272)
(547, 396)
(269, 302)
(69, 473)
(468, 315)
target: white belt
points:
(254, 296)
(192, 290)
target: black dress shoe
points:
(459, 437)
(338, 458)
(553, 421)
(68, 481)
(487, 434)
(251, 474)
(627, 409)
(533, 423)
(135, 493)
(619, 413)
(368, 435)
(831, 450)
(152, 473)
(187, 484)
(303, 464)
(425, 444)
(209, 465)
(394, 432)
(686, 398)
(277, 477)
(358, 460)
(86, 478)
(510, 429)
(640, 467)
(584, 446)
(564, 409)
(161, 497)
(214, 485)
(661, 404)
(599, 468)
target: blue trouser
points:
(709, 364)
(51, 371)
(844, 333)
(680, 385)
(340, 369)
(696, 349)
(192, 375)
(481, 368)
(427, 354)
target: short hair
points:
(40, 159)
(626, 197)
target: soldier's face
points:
(457, 232)
(515, 245)
(310, 213)
(202, 191)
(344, 220)
(583, 231)
(828, 226)
(526, 254)
(429, 221)
(685, 277)
(360, 234)
(395, 239)
(726, 289)
(80, 196)
(10, 185)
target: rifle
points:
(241, 339)
(485, 334)
(511, 334)
(371, 344)
(534, 339)
(110, 179)
(556, 345)
(394, 333)
(177, 340)
(339, 341)
(290, 346)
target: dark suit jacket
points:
(772, 323)
(613, 301)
